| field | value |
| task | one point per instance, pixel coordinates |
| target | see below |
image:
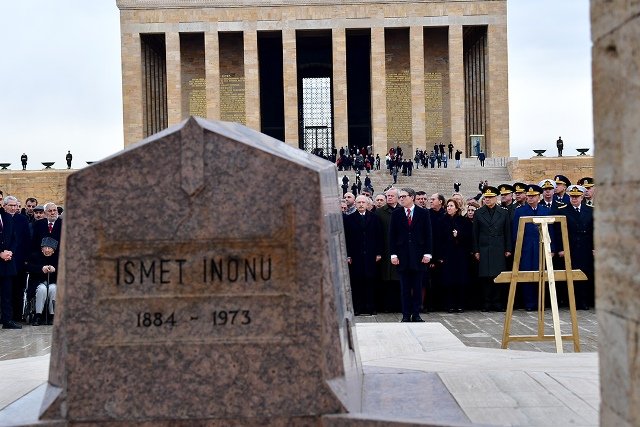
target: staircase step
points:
(439, 180)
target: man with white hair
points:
(52, 227)
(23, 236)
(8, 246)
(363, 236)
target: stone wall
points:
(537, 168)
(44, 185)
(615, 31)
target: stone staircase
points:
(440, 180)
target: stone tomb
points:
(201, 284)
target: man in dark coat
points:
(8, 246)
(52, 227)
(492, 246)
(23, 238)
(580, 229)
(389, 287)
(410, 243)
(23, 160)
(560, 146)
(69, 158)
(363, 235)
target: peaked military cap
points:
(533, 190)
(519, 187)
(505, 189)
(490, 191)
(586, 182)
(561, 179)
(547, 183)
(576, 190)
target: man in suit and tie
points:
(580, 229)
(410, 242)
(363, 235)
(491, 247)
(52, 227)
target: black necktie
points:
(578, 210)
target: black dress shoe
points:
(405, 319)
(50, 320)
(460, 310)
(36, 320)
(416, 318)
(11, 325)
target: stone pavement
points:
(479, 329)
(448, 371)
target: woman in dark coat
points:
(452, 253)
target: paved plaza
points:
(457, 372)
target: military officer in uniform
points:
(580, 229)
(492, 246)
(529, 257)
(590, 189)
(562, 182)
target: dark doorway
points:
(359, 88)
(271, 83)
(315, 89)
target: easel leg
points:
(508, 314)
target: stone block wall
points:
(615, 31)
(44, 185)
(537, 168)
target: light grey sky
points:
(61, 80)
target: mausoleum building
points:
(322, 74)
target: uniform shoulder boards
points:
(562, 206)
(519, 206)
(505, 208)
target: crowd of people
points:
(29, 240)
(412, 253)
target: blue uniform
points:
(530, 259)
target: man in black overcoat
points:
(8, 246)
(410, 242)
(363, 235)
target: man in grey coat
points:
(491, 247)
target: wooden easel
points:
(544, 274)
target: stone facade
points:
(400, 33)
(44, 185)
(537, 168)
(615, 31)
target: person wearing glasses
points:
(410, 242)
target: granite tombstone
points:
(199, 286)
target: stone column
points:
(456, 87)
(174, 83)
(416, 53)
(212, 74)
(132, 92)
(497, 91)
(290, 81)
(340, 119)
(378, 93)
(251, 79)
(615, 32)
